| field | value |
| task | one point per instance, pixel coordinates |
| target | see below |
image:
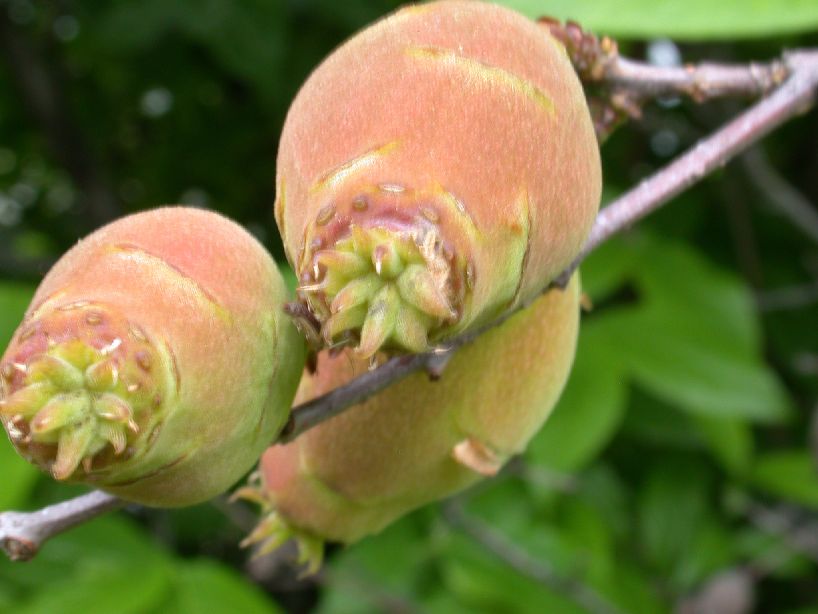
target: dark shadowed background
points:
(677, 469)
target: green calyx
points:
(382, 288)
(273, 530)
(78, 404)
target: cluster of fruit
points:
(437, 170)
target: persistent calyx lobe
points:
(82, 386)
(387, 277)
(456, 178)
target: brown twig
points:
(795, 95)
(22, 533)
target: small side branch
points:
(618, 87)
(22, 533)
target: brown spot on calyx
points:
(137, 333)
(325, 215)
(360, 203)
(143, 359)
(93, 318)
(28, 332)
(470, 275)
(430, 214)
(7, 371)
(174, 365)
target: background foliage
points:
(676, 467)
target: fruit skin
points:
(419, 440)
(452, 135)
(167, 362)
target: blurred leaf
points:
(589, 411)
(205, 586)
(730, 440)
(679, 530)
(19, 476)
(790, 474)
(658, 423)
(690, 20)
(371, 568)
(124, 589)
(14, 300)
(245, 37)
(485, 584)
(108, 542)
(607, 268)
(694, 339)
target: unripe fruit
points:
(418, 440)
(437, 169)
(155, 361)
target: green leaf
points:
(694, 338)
(367, 574)
(690, 20)
(206, 586)
(730, 440)
(607, 268)
(790, 474)
(14, 300)
(483, 583)
(125, 589)
(590, 409)
(19, 476)
(108, 542)
(680, 532)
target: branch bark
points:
(795, 95)
(22, 533)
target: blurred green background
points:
(677, 469)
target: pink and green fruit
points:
(437, 169)
(155, 361)
(417, 441)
